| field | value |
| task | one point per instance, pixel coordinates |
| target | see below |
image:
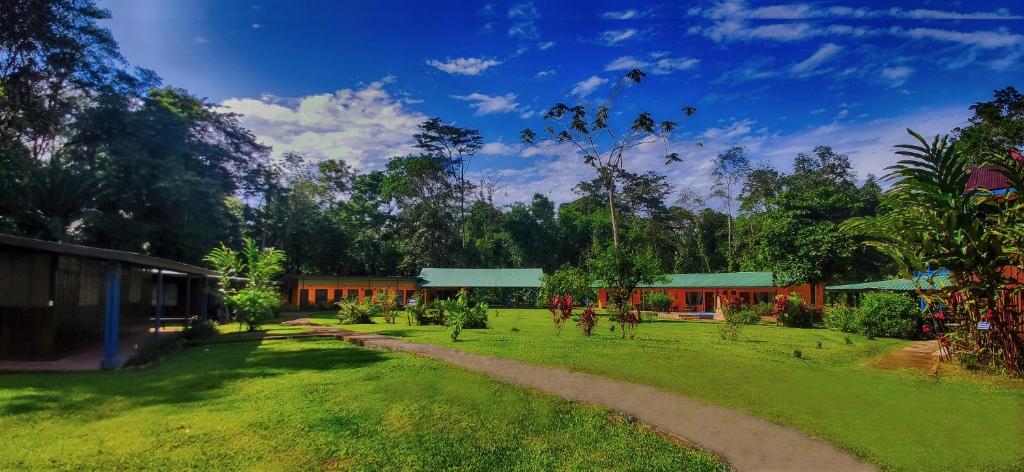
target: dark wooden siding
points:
(52, 305)
(26, 318)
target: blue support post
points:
(159, 301)
(112, 318)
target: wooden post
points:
(159, 302)
(206, 298)
(112, 318)
(188, 298)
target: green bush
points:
(888, 314)
(743, 316)
(791, 311)
(199, 329)
(764, 309)
(460, 314)
(567, 280)
(842, 318)
(353, 312)
(657, 301)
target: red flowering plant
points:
(587, 320)
(628, 323)
(561, 311)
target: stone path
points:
(746, 442)
(918, 355)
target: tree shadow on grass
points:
(194, 374)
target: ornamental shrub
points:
(888, 314)
(791, 311)
(353, 312)
(587, 320)
(743, 316)
(657, 301)
(459, 314)
(841, 317)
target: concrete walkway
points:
(919, 355)
(746, 442)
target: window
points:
(353, 294)
(304, 297)
(400, 297)
(368, 294)
(410, 295)
(337, 294)
(321, 296)
(694, 298)
(765, 297)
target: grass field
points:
(306, 405)
(898, 420)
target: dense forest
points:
(92, 152)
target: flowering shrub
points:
(587, 320)
(561, 311)
(628, 322)
(791, 311)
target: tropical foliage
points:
(257, 300)
(937, 222)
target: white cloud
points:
(668, 65)
(545, 45)
(824, 53)
(525, 26)
(735, 20)
(739, 9)
(464, 65)
(897, 75)
(613, 37)
(733, 131)
(545, 73)
(520, 11)
(983, 39)
(587, 86)
(363, 126)
(256, 26)
(556, 169)
(200, 40)
(501, 149)
(662, 66)
(488, 104)
(626, 63)
(629, 14)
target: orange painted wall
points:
(710, 304)
(359, 284)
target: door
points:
(709, 301)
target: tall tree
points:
(589, 130)
(456, 146)
(730, 169)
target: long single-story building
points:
(312, 291)
(705, 293)
(58, 298)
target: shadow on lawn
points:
(191, 375)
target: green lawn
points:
(898, 420)
(311, 404)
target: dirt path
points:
(918, 355)
(745, 442)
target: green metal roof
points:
(434, 277)
(725, 279)
(937, 282)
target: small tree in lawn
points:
(255, 303)
(588, 129)
(587, 320)
(622, 270)
(561, 311)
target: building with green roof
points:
(705, 293)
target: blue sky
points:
(351, 80)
